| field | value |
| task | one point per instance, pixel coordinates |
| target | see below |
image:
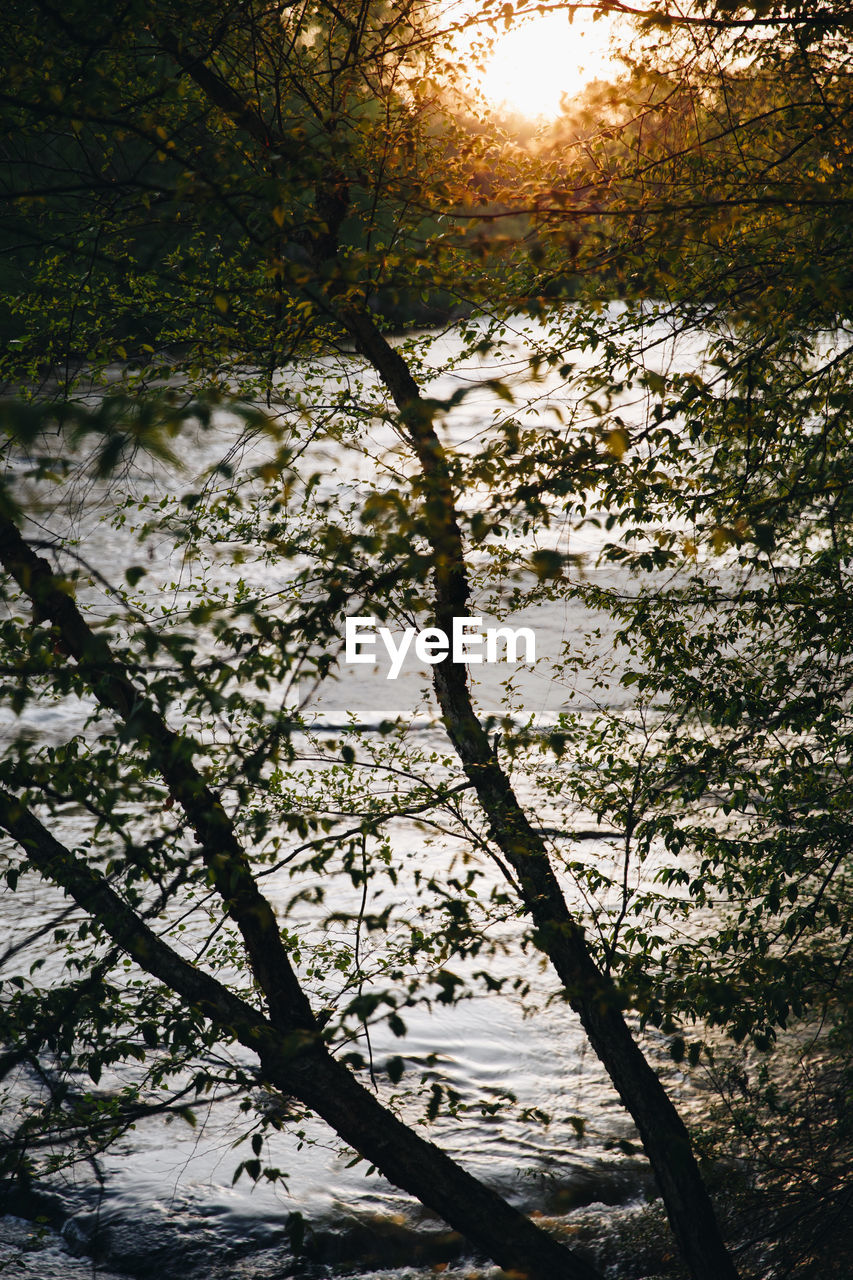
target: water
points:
(163, 1202)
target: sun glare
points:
(548, 57)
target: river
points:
(162, 1202)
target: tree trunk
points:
(303, 1068)
(591, 993)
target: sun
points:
(544, 59)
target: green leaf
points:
(394, 1068)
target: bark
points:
(303, 1068)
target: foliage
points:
(206, 208)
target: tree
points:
(221, 193)
(223, 118)
(726, 201)
(742, 461)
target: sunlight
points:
(548, 57)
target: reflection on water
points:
(167, 1205)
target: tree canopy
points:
(224, 435)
